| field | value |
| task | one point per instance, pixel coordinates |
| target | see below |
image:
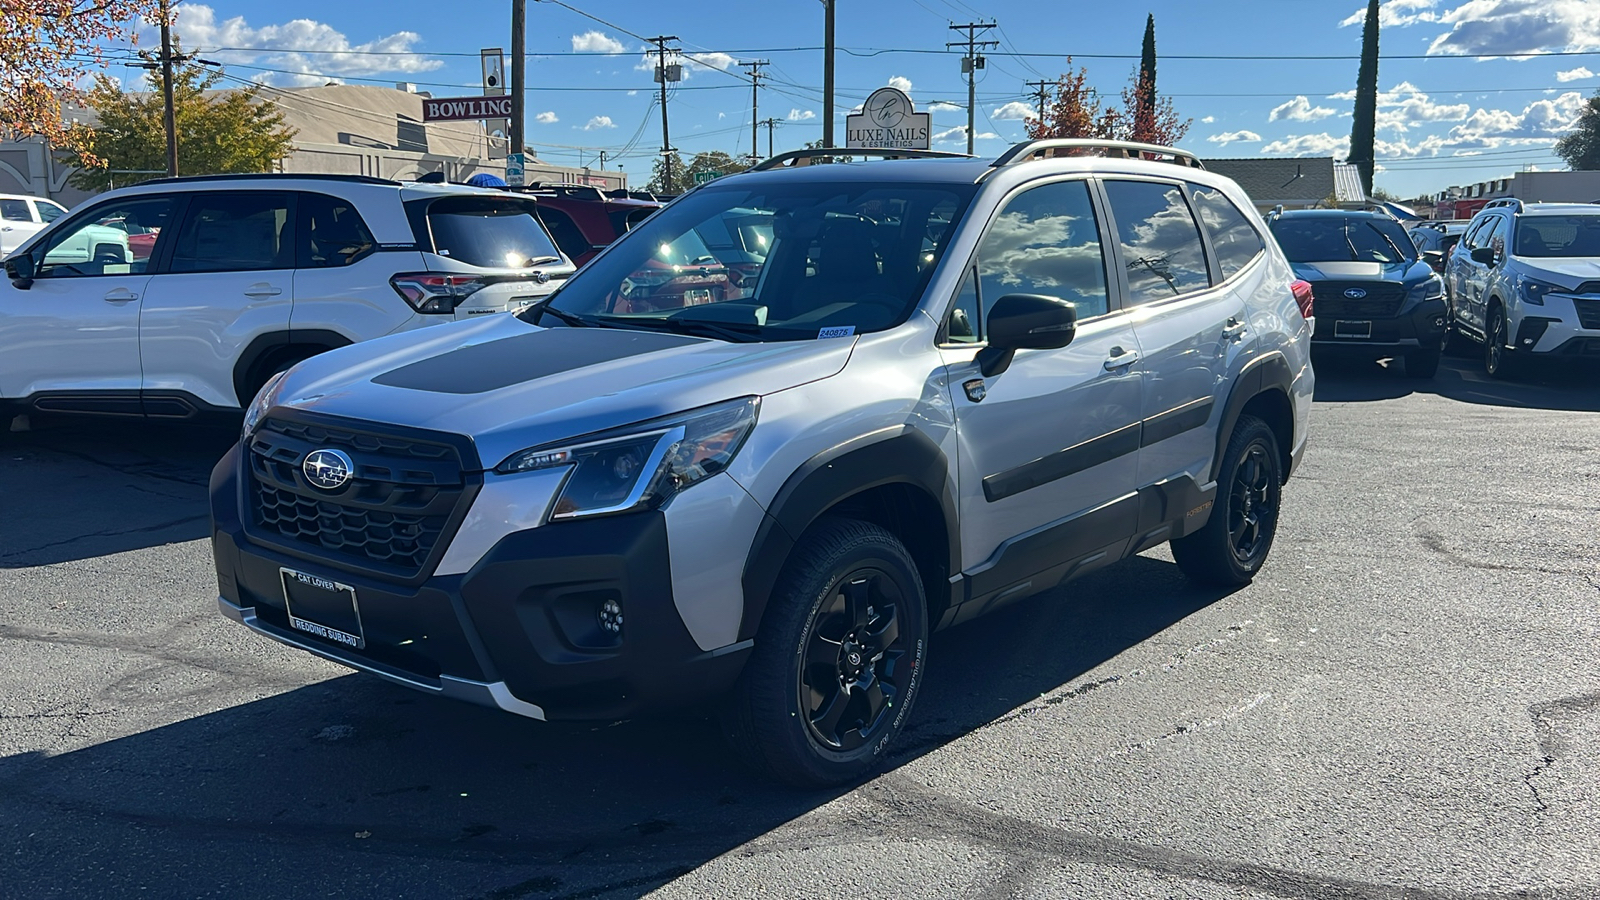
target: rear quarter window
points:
(1234, 240)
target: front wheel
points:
(837, 661)
(1497, 360)
(1232, 546)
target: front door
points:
(1056, 435)
(74, 332)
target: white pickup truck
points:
(23, 217)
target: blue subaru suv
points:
(1372, 292)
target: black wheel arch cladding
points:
(266, 347)
(1265, 374)
(898, 455)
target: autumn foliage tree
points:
(1076, 111)
(48, 48)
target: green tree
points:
(218, 131)
(658, 183)
(1144, 91)
(683, 175)
(1363, 130)
(1581, 148)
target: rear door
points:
(229, 279)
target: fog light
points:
(611, 616)
(1439, 322)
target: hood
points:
(509, 385)
(1568, 272)
(1337, 270)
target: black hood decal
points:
(490, 366)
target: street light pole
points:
(519, 62)
(755, 115)
(666, 133)
(169, 115)
(827, 74)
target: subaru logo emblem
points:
(542, 277)
(1355, 293)
(327, 469)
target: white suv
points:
(178, 297)
(23, 217)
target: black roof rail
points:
(817, 154)
(1027, 150)
(301, 176)
(1504, 201)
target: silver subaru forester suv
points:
(763, 445)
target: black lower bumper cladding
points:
(525, 621)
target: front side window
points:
(1045, 241)
(1161, 248)
(15, 211)
(48, 212)
(1480, 232)
(332, 233)
(1233, 239)
(1547, 236)
(114, 239)
(490, 232)
(798, 260)
(237, 232)
(1334, 238)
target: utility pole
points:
(663, 75)
(970, 64)
(755, 117)
(1042, 89)
(519, 62)
(770, 123)
(827, 74)
(169, 116)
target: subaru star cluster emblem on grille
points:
(1354, 293)
(327, 469)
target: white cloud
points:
(1535, 126)
(693, 63)
(546, 118)
(714, 60)
(1231, 137)
(958, 135)
(1299, 110)
(1487, 27)
(199, 29)
(1208, 120)
(801, 115)
(901, 82)
(1577, 74)
(599, 122)
(1396, 14)
(944, 106)
(1323, 144)
(1014, 111)
(596, 42)
(721, 116)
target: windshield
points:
(1545, 236)
(490, 232)
(1343, 239)
(793, 261)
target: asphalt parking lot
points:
(1405, 704)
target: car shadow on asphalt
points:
(1545, 384)
(354, 765)
(80, 489)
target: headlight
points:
(641, 466)
(265, 397)
(1432, 289)
(1534, 290)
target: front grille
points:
(1588, 313)
(1382, 301)
(389, 517)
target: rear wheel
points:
(1232, 546)
(838, 659)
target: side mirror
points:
(21, 270)
(1434, 258)
(1483, 255)
(1026, 322)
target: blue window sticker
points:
(836, 331)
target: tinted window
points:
(115, 239)
(1320, 238)
(1558, 236)
(1161, 248)
(1480, 232)
(1233, 239)
(1045, 241)
(965, 323)
(49, 212)
(332, 233)
(565, 231)
(15, 211)
(490, 232)
(234, 233)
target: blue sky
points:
(1447, 116)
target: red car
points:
(583, 220)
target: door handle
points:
(1120, 359)
(1234, 330)
(262, 289)
(121, 295)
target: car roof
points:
(1550, 209)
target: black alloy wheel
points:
(1232, 546)
(837, 660)
(1496, 358)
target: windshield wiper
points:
(1400, 255)
(538, 310)
(541, 261)
(1355, 255)
(725, 331)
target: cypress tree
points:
(1363, 131)
(1147, 73)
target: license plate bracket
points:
(1352, 328)
(322, 607)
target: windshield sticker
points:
(836, 331)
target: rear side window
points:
(490, 232)
(48, 212)
(237, 232)
(568, 236)
(332, 233)
(1161, 248)
(1235, 242)
(15, 211)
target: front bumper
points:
(519, 631)
(1419, 327)
(1557, 326)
